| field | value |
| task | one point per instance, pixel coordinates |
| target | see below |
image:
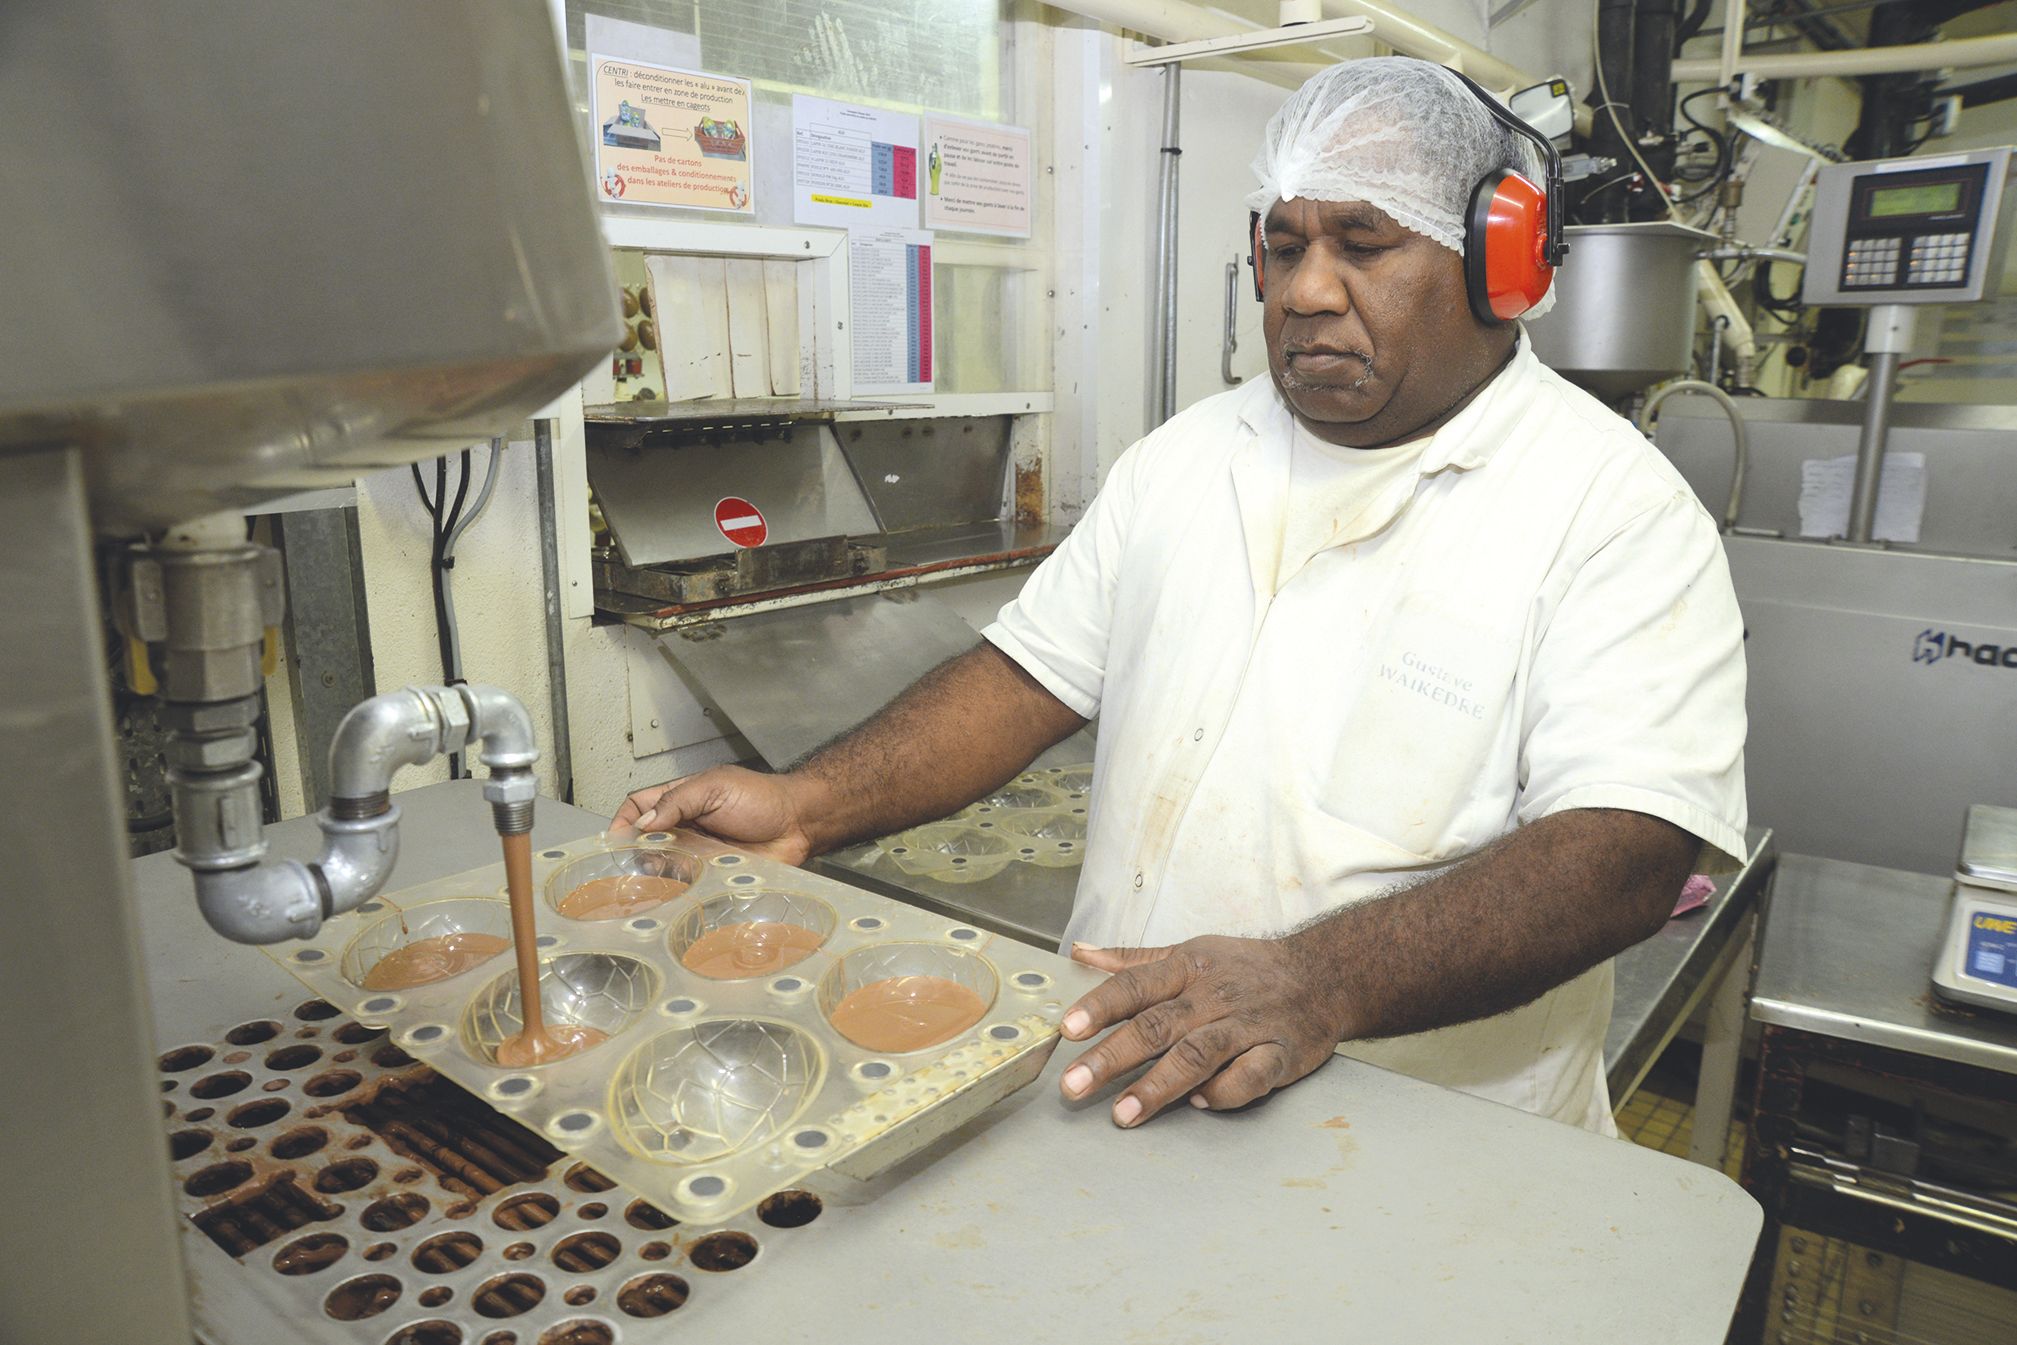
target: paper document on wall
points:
(978, 177)
(889, 289)
(1826, 485)
(852, 167)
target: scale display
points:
(1907, 230)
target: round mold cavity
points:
(217, 1178)
(604, 991)
(737, 936)
(332, 1083)
(1073, 779)
(620, 882)
(393, 1213)
(508, 1295)
(581, 1177)
(954, 852)
(254, 1032)
(1021, 794)
(438, 1332)
(1030, 981)
(307, 1255)
(647, 1217)
(1050, 826)
(723, 1251)
(695, 1094)
(910, 1008)
(293, 1057)
(433, 941)
(790, 1209)
(522, 1214)
(652, 1295)
(213, 1086)
(365, 1296)
(185, 1058)
(298, 1142)
(582, 1253)
(348, 1174)
(445, 1253)
(186, 1144)
(252, 1115)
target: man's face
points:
(1370, 336)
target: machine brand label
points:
(740, 521)
(1937, 646)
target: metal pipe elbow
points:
(385, 732)
(501, 721)
(263, 903)
(357, 858)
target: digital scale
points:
(1977, 960)
(1908, 231)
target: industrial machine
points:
(300, 299)
(1977, 961)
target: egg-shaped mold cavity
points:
(698, 1094)
(954, 852)
(603, 993)
(739, 935)
(433, 941)
(1055, 839)
(896, 998)
(1022, 793)
(1073, 779)
(620, 882)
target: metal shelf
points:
(725, 411)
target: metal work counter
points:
(1357, 1204)
(1848, 953)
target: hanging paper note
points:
(977, 177)
(889, 287)
(670, 137)
(853, 167)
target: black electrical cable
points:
(1725, 160)
(444, 516)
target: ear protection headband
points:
(1512, 229)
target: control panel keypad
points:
(1938, 259)
(1871, 262)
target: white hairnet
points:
(1404, 135)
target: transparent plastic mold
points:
(753, 931)
(708, 1094)
(435, 941)
(621, 882)
(952, 851)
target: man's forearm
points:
(1543, 905)
(963, 729)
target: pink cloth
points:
(1694, 893)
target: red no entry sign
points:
(740, 521)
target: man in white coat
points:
(1419, 673)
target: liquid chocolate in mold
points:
(752, 948)
(556, 1043)
(429, 960)
(619, 895)
(533, 1045)
(907, 1013)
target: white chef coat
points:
(1329, 487)
(1536, 617)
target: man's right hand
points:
(758, 812)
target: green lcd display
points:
(1931, 198)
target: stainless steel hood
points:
(254, 248)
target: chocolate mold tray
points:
(707, 1094)
(1037, 818)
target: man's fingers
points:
(636, 806)
(1195, 1058)
(1257, 1072)
(1124, 995)
(1116, 959)
(1146, 1035)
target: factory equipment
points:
(1977, 959)
(1600, 339)
(301, 298)
(1895, 234)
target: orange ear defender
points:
(1512, 231)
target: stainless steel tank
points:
(1624, 314)
(257, 248)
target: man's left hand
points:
(1233, 1020)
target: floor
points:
(1661, 1115)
